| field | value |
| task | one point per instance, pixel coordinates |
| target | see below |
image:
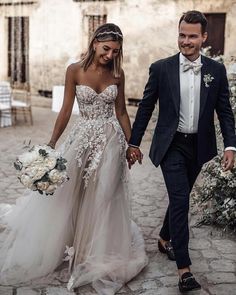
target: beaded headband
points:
(110, 33)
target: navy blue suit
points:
(181, 160)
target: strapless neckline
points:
(97, 93)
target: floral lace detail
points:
(92, 139)
(93, 105)
(96, 111)
(122, 148)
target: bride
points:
(89, 215)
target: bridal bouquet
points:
(41, 169)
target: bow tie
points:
(195, 67)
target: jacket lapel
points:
(174, 81)
(203, 90)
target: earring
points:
(94, 48)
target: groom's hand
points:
(133, 154)
(228, 160)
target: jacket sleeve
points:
(146, 107)
(224, 111)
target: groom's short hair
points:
(194, 17)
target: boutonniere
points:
(207, 79)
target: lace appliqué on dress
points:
(96, 111)
(92, 140)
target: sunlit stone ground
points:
(213, 255)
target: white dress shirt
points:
(190, 84)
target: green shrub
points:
(216, 195)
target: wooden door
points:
(216, 32)
(18, 51)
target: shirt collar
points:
(183, 59)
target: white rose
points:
(50, 163)
(54, 175)
(57, 176)
(35, 172)
(42, 185)
(26, 180)
(31, 171)
(28, 157)
(51, 188)
(41, 171)
(38, 161)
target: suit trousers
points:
(180, 169)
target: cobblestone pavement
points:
(213, 255)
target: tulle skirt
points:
(89, 214)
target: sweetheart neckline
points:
(95, 90)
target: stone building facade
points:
(56, 33)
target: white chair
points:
(5, 104)
(21, 105)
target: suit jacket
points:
(164, 84)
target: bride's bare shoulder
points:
(75, 67)
(75, 70)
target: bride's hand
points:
(51, 144)
(133, 154)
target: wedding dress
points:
(90, 213)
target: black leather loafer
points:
(168, 250)
(188, 283)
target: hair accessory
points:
(110, 33)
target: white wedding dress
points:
(89, 213)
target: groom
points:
(190, 87)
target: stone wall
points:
(59, 34)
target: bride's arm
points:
(66, 109)
(121, 112)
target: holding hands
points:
(228, 160)
(133, 154)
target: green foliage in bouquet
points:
(215, 196)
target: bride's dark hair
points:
(106, 32)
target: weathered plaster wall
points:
(59, 34)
